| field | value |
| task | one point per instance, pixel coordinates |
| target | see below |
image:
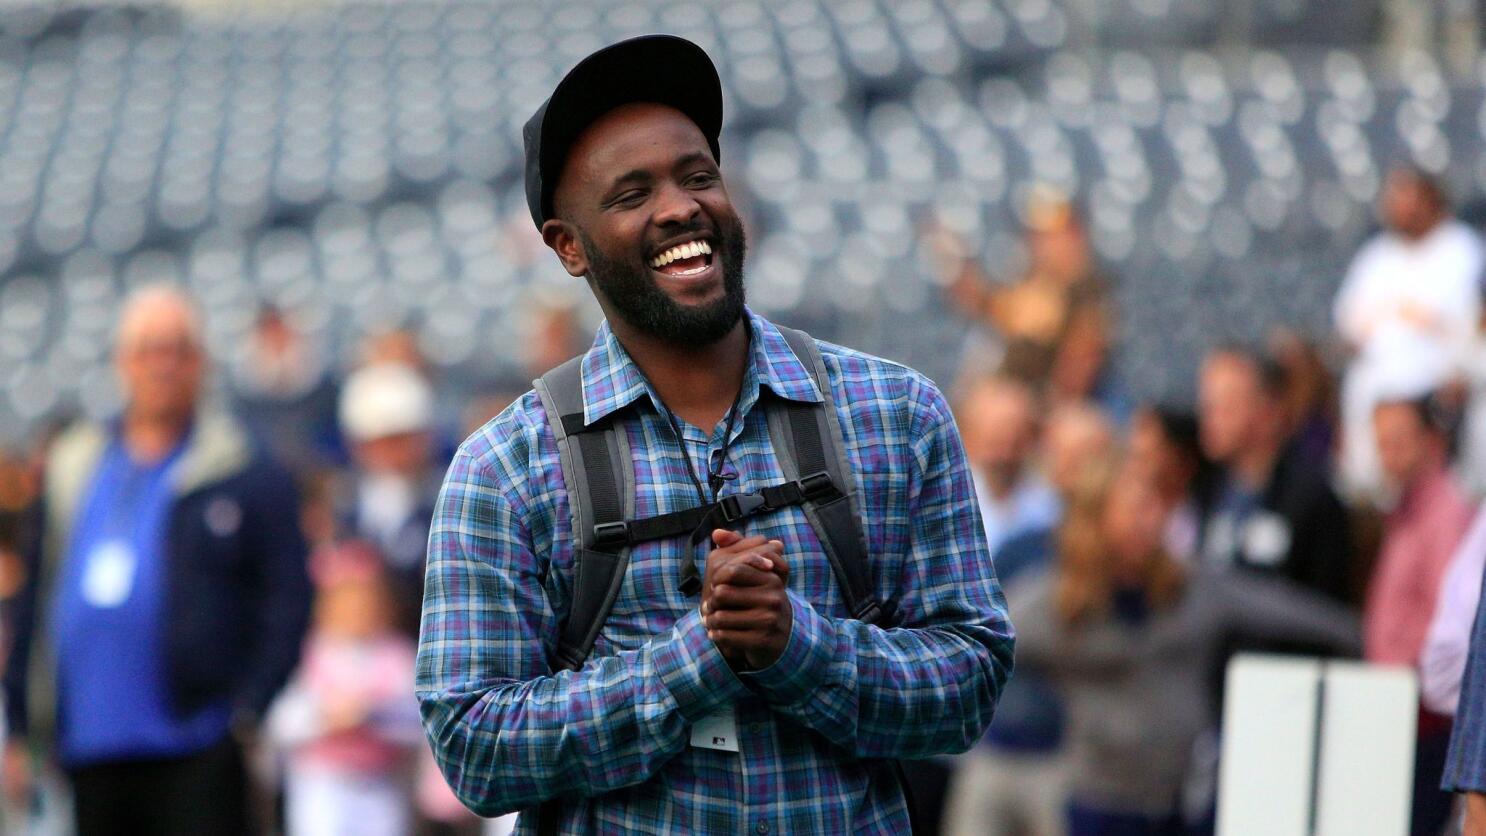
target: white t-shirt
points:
(1414, 304)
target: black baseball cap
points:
(652, 68)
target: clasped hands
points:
(744, 606)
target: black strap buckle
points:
(816, 485)
(608, 535)
(868, 612)
(738, 506)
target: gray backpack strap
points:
(808, 442)
(599, 475)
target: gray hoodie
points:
(1138, 693)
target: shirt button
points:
(763, 827)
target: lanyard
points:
(714, 471)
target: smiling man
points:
(575, 663)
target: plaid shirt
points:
(815, 727)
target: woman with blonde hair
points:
(1130, 638)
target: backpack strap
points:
(599, 474)
(808, 442)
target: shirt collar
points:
(612, 381)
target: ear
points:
(563, 241)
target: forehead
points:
(159, 318)
(639, 136)
(1231, 368)
(1398, 416)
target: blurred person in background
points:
(1272, 509)
(1128, 635)
(1465, 765)
(1410, 302)
(1076, 434)
(999, 423)
(347, 723)
(1165, 448)
(555, 333)
(284, 393)
(386, 413)
(1310, 394)
(1447, 644)
(166, 598)
(1015, 780)
(1055, 321)
(1420, 535)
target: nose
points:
(675, 206)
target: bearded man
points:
(748, 696)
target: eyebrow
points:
(641, 176)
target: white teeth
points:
(691, 249)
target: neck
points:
(1419, 234)
(1255, 464)
(1000, 482)
(1427, 471)
(150, 437)
(1128, 574)
(697, 383)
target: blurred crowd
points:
(1315, 498)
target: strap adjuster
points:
(738, 506)
(611, 534)
(816, 485)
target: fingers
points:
(727, 597)
(781, 566)
(742, 571)
(746, 610)
(722, 538)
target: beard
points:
(633, 294)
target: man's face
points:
(643, 214)
(1407, 205)
(1405, 444)
(1230, 407)
(1075, 438)
(160, 362)
(404, 454)
(999, 429)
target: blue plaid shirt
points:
(815, 727)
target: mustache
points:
(697, 229)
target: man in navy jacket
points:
(166, 601)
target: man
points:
(1410, 303)
(622, 179)
(166, 601)
(386, 416)
(1273, 509)
(1420, 536)
(999, 421)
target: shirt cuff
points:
(693, 670)
(798, 672)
